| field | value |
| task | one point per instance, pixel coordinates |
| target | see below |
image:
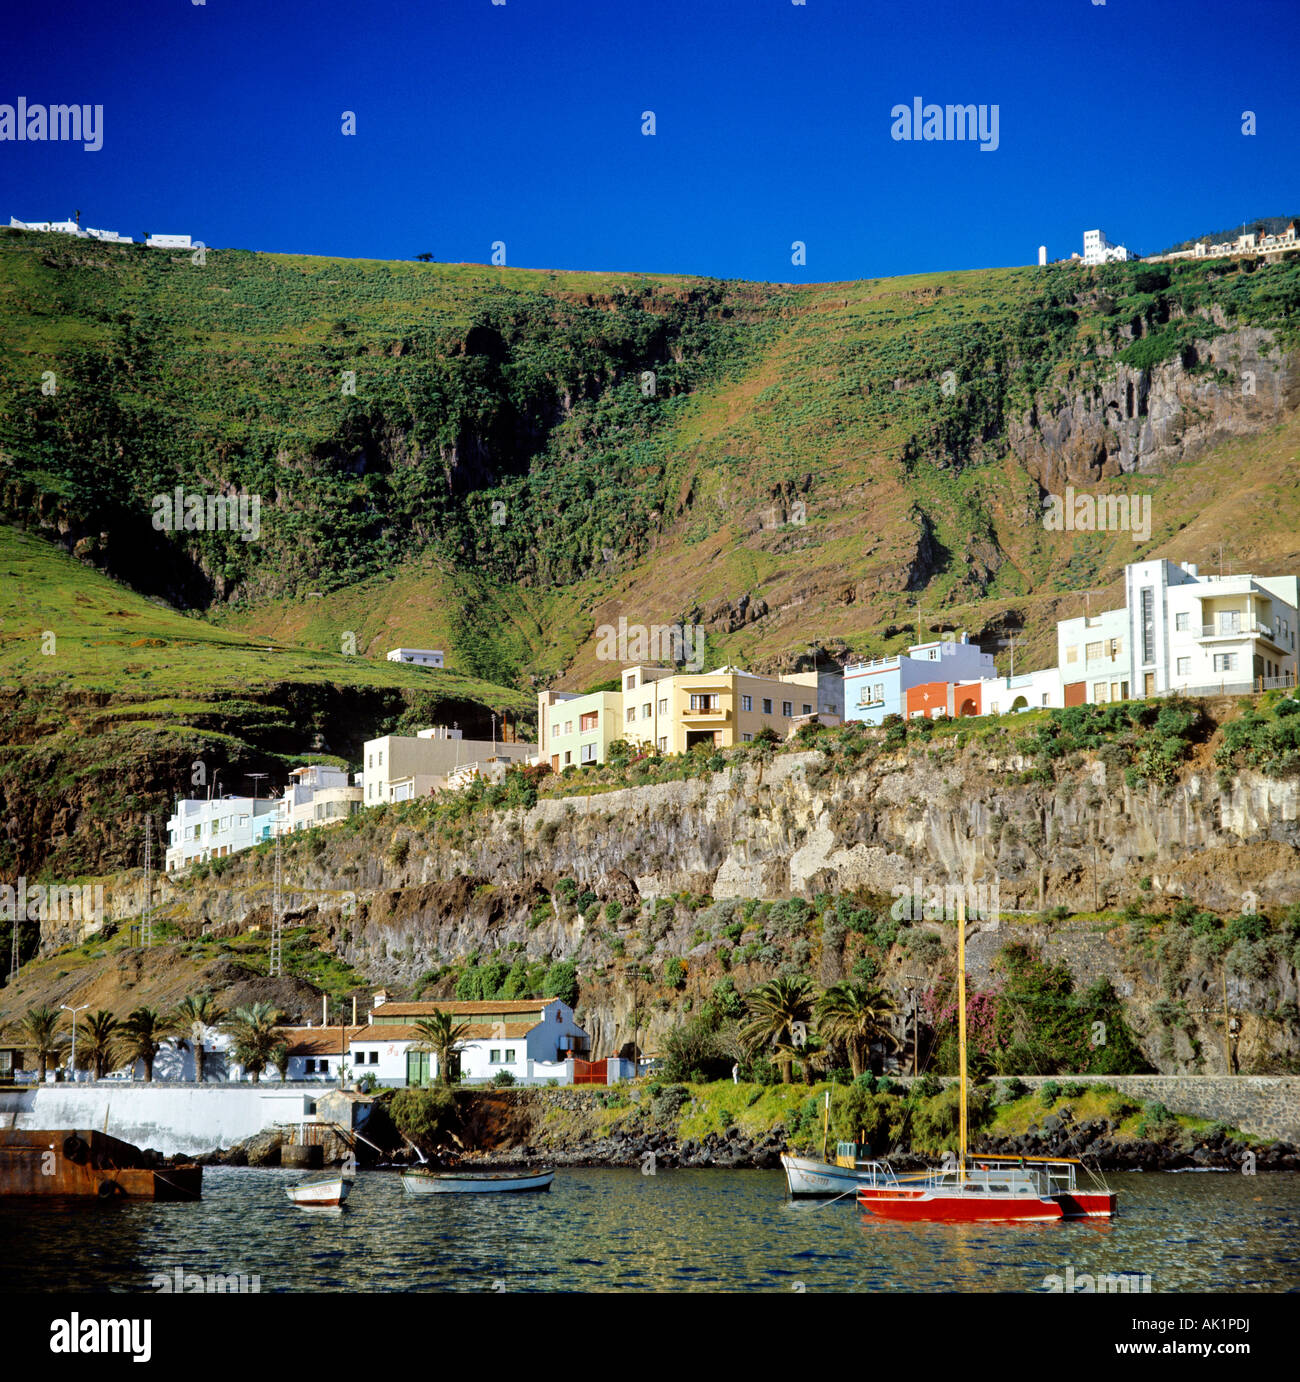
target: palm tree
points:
(442, 1035)
(193, 1014)
(255, 1038)
(280, 1059)
(141, 1036)
(97, 1041)
(858, 1016)
(39, 1032)
(773, 1011)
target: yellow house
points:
(674, 711)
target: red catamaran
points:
(987, 1188)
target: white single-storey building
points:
(534, 1039)
(419, 657)
(169, 242)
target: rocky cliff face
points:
(795, 827)
(1140, 420)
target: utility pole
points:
(276, 967)
(146, 926)
(74, 1012)
(1227, 1024)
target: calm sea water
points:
(609, 1230)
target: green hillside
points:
(501, 481)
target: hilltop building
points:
(72, 228)
(169, 242)
(417, 657)
(1098, 250)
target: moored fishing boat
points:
(76, 1163)
(988, 1189)
(808, 1177)
(421, 1180)
(324, 1191)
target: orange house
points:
(942, 698)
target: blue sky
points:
(522, 122)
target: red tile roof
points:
(460, 1007)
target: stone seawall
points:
(1261, 1105)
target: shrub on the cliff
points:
(561, 982)
(503, 1078)
(668, 1103)
(926, 1087)
(399, 851)
(1049, 1094)
(674, 973)
(425, 1116)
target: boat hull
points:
(917, 1204)
(808, 1178)
(65, 1163)
(320, 1194)
(467, 1182)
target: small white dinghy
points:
(321, 1192)
(421, 1181)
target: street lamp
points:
(74, 1012)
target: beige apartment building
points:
(674, 711)
(397, 767)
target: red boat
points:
(989, 1189)
(994, 1190)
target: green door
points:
(417, 1068)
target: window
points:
(1225, 662)
(1184, 666)
(646, 710)
(381, 758)
(371, 763)
(630, 683)
(494, 1056)
(701, 701)
(631, 714)
(589, 753)
(663, 706)
(1072, 653)
(807, 709)
(746, 738)
(787, 709)
(993, 708)
(1093, 652)
(1182, 623)
(1148, 624)
(588, 722)
(374, 1058)
(747, 702)
(767, 706)
(323, 1067)
(1045, 698)
(568, 726)
(1101, 692)
(1229, 621)
(663, 743)
(568, 757)
(510, 1055)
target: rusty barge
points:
(76, 1164)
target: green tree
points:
(97, 1041)
(193, 1014)
(141, 1036)
(39, 1030)
(857, 1015)
(280, 1059)
(561, 982)
(772, 1012)
(442, 1035)
(253, 1036)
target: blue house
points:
(878, 688)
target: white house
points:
(534, 1039)
(418, 657)
(203, 828)
(398, 767)
(72, 228)
(169, 242)
(1098, 250)
(1093, 658)
(319, 794)
(1026, 691)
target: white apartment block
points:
(1206, 634)
(1098, 250)
(397, 767)
(417, 657)
(1180, 631)
(204, 828)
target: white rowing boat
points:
(420, 1181)
(320, 1191)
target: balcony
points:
(1248, 628)
(713, 717)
